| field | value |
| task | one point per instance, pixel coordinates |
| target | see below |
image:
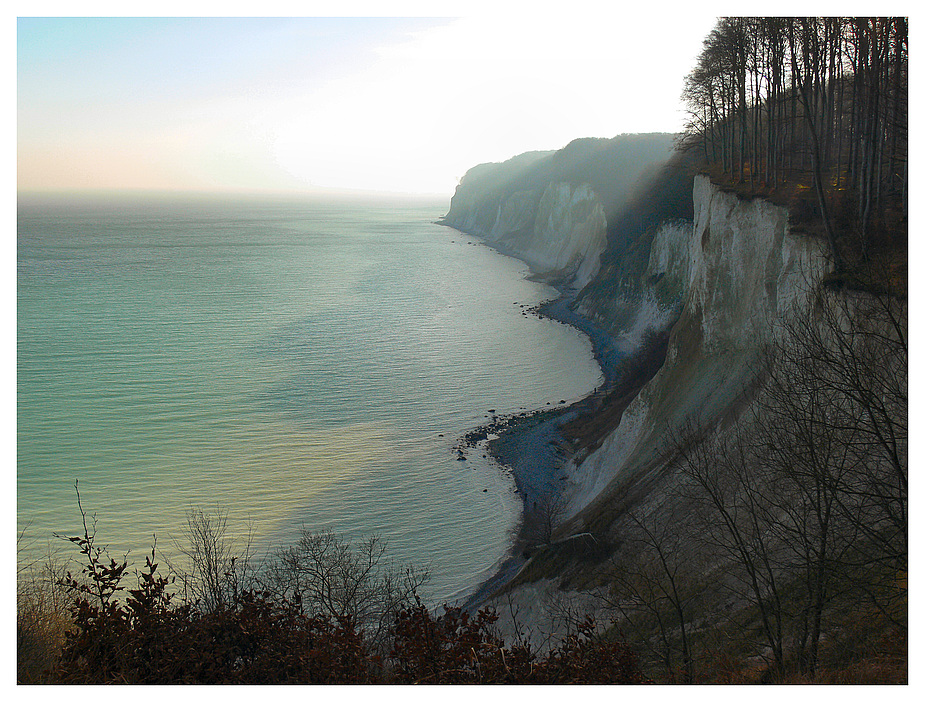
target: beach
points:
(535, 444)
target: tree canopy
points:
(808, 99)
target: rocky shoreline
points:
(532, 444)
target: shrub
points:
(138, 634)
(457, 647)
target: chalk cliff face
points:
(714, 285)
(559, 228)
(736, 270)
(686, 281)
(644, 297)
(550, 209)
(564, 229)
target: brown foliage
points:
(458, 648)
(147, 640)
(263, 637)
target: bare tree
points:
(218, 568)
(839, 392)
(737, 521)
(324, 574)
(653, 586)
(804, 496)
(768, 91)
(543, 515)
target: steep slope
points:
(736, 489)
(551, 209)
(739, 269)
(680, 283)
(699, 297)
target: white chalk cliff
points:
(565, 231)
(690, 293)
(561, 228)
(549, 209)
(740, 270)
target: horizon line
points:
(227, 192)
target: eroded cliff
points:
(551, 209)
(701, 296)
(721, 282)
(687, 303)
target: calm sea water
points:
(292, 362)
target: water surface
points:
(294, 362)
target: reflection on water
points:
(294, 363)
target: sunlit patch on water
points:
(294, 363)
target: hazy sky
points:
(390, 104)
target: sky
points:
(398, 103)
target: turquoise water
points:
(291, 362)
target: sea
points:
(288, 363)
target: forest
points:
(818, 102)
